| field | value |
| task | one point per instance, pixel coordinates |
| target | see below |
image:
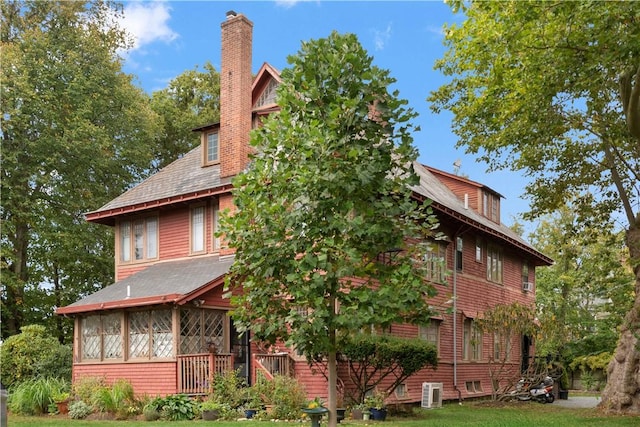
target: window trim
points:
(131, 238)
(205, 147)
(423, 333)
(472, 341)
(203, 235)
(496, 252)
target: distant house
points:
(164, 323)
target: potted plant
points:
(357, 411)
(252, 401)
(61, 399)
(375, 403)
(211, 410)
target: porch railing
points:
(195, 373)
(274, 364)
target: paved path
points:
(578, 402)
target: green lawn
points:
(527, 414)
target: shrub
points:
(33, 397)
(79, 410)
(175, 407)
(288, 397)
(117, 399)
(33, 354)
(228, 388)
(85, 388)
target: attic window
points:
(491, 207)
(268, 95)
(211, 148)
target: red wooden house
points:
(164, 323)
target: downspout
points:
(455, 316)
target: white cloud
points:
(287, 4)
(380, 38)
(147, 23)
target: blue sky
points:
(404, 37)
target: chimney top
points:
(231, 14)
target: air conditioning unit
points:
(527, 286)
(431, 395)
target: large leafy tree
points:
(75, 133)
(552, 89)
(325, 211)
(581, 299)
(189, 99)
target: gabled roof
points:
(444, 200)
(172, 282)
(182, 180)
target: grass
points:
(522, 414)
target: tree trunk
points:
(333, 371)
(622, 393)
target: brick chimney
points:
(235, 94)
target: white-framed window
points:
(212, 147)
(138, 239)
(473, 386)
(431, 333)
(101, 337)
(197, 229)
(494, 264)
(501, 346)
(436, 263)
(525, 272)
(150, 334)
(472, 340)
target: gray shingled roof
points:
(432, 188)
(183, 176)
(165, 278)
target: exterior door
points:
(240, 350)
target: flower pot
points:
(210, 414)
(378, 414)
(366, 415)
(250, 413)
(63, 407)
(356, 414)
(340, 414)
(563, 394)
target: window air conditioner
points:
(527, 286)
(431, 395)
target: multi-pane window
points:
(150, 334)
(212, 147)
(435, 263)
(202, 330)
(430, 332)
(268, 95)
(494, 264)
(138, 239)
(102, 337)
(472, 341)
(197, 229)
(501, 347)
(491, 206)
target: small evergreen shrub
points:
(79, 410)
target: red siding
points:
(152, 378)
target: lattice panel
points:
(162, 334)
(112, 336)
(191, 332)
(214, 328)
(139, 334)
(91, 337)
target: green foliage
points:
(189, 98)
(593, 362)
(374, 358)
(116, 399)
(32, 354)
(175, 407)
(228, 388)
(84, 388)
(33, 396)
(288, 397)
(583, 297)
(79, 410)
(328, 193)
(375, 400)
(83, 137)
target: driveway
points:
(578, 402)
